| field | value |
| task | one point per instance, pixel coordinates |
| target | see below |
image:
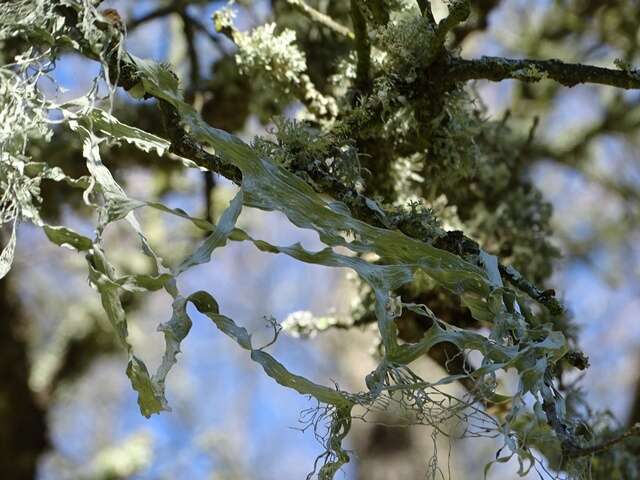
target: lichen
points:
(407, 40)
(278, 67)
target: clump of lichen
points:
(415, 219)
(406, 39)
(320, 158)
(276, 65)
(271, 56)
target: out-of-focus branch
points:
(604, 446)
(194, 76)
(321, 18)
(379, 11)
(425, 8)
(194, 60)
(160, 12)
(568, 74)
(621, 117)
(363, 48)
(174, 9)
(459, 11)
(634, 412)
(479, 20)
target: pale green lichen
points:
(304, 324)
(530, 74)
(263, 50)
(276, 63)
(315, 156)
(407, 41)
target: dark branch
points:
(215, 39)
(160, 12)
(479, 22)
(363, 48)
(459, 11)
(425, 8)
(634, 431)
(567, 74)
(194, 60)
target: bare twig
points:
(459, 11)
(363, 48)
(321, 18)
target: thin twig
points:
(321, 18)
(604, 446)
(194, 60)
(160, 12)
(203, 29)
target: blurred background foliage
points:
(66, 410)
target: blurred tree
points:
(431, 191)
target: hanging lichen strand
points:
(403, 105)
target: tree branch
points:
(160, 12)
(184, 145)
(479, 22)
(567, 74)
(459, 11)
(363, 48)
(606, 445)
(194, 60)
(425, 8)
(321, 18)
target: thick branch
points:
(567, 74)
